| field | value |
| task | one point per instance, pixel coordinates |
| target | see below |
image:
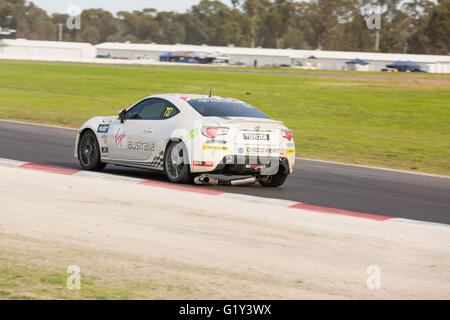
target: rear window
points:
(225, 108)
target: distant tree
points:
(140, 24)
(170, 30)
(213, 23)
(11, 12)
(96, 26)
(256, 11)
(22, 28)
(89, 34)
(413, 26)
(438, 28)
(324, 17)
(46, 31)
(276, 23)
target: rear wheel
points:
(89, 152)
(275, 180)
(176, 163)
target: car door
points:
(138, 138)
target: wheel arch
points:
(175, 139)
(81, 133)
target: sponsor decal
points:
(256, 136)
(203, 164)
(168, 112)
(214, 148)
(103, 128)
(191, 134)
(214, 141)
(120, 137)
(105, 138)
(290, 151)
(104, 149)
(290, 144)
(263, 150)
(140, 146)
(241, 150)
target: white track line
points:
(280, 202)
(11, 163)
(431, 225)
(108, 176)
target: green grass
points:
(397, 124)
(31, 281)
(36, 269)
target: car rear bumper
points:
(247, 165)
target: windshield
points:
(225, 107)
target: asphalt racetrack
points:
(354, 188)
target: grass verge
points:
(396, 124)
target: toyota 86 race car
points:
(190, 138)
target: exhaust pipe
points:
(206, 180)
(241, 182)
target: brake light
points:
(287, 134)
(212, 132)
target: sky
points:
(113, 6)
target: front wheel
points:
(176, 163)
(89, 152)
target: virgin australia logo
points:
(120, 138)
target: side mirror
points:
(123, 115)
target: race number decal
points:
(168, 112)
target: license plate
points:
(256, 136)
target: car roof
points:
(188, 96)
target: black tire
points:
(276, 180)
(176, 163)
(89, 152)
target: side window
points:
(152, 109)
(133, 113)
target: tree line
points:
(408, 26)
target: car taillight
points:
(287, 134)
(212, 132)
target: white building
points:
(263, 57)
(46, 49)
(150, 53)
(315, 59)
(335, 60)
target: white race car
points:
(189, 137)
